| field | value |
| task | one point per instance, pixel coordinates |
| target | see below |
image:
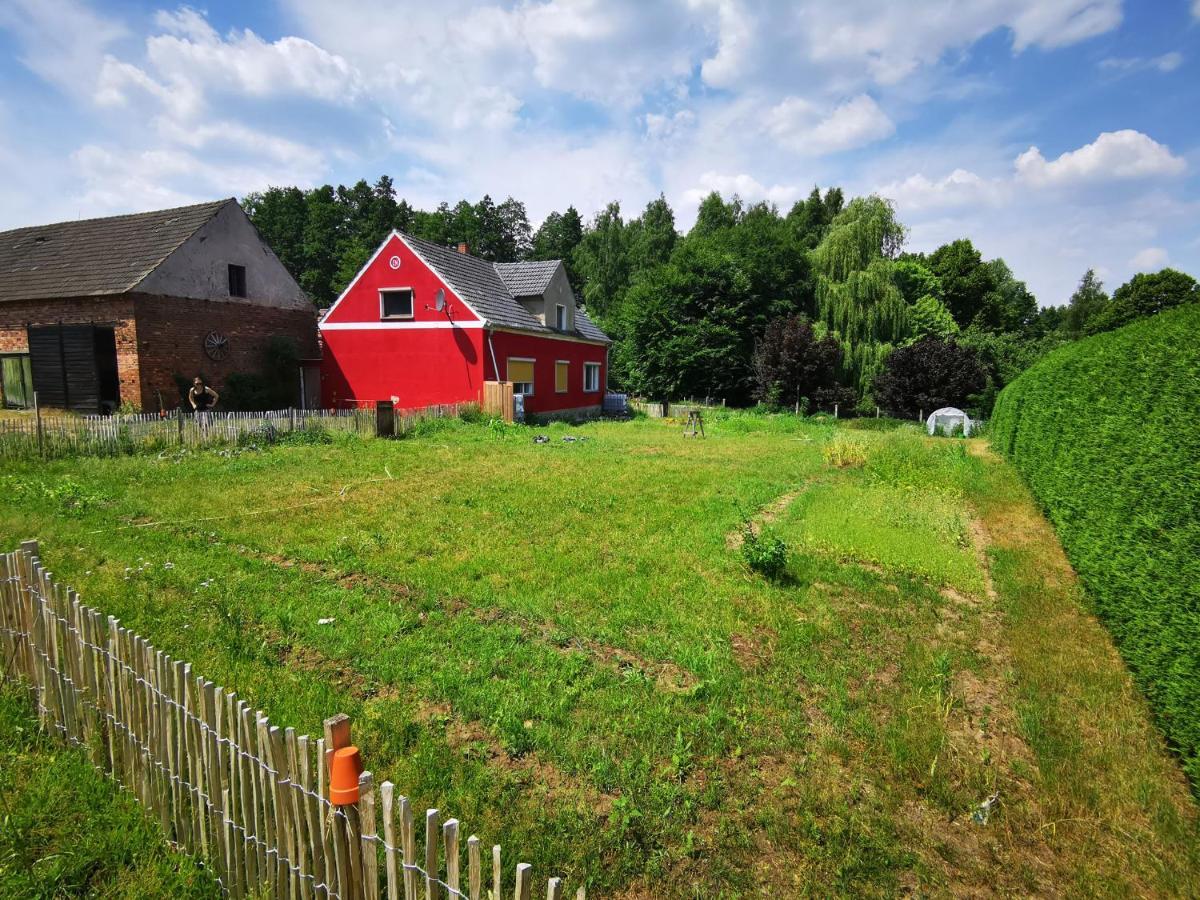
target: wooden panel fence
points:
(246, 796)
(498, 399)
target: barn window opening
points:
(560, 317)
(562, 375)
(396, 304)
(591, 376)
(520, 373)
(237, 280)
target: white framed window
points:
(560, 317)
(395, 303)
(562, 375)
(520, 374)
(591, 377)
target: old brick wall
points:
(171, 333)
(116, 312)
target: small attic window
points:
(560, 317)
(237, 281)
(396, 303)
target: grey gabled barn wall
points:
(199, 267)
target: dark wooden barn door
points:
(74, 367)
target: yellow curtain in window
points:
(561, 375)
(520, 370)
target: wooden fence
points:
(247, 797)
(35, 434)
(498, 399)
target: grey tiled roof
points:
(94, 256)
(587, 328)
(479, 283)
(528, 279)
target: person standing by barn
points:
(203, 398)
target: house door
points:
(310, 386)
(75, 367)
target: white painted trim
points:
(586, 389)
(412, 304)
(440, 277)
(394, 324)
(374, 256)
(354, 280)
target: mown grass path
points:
(559, 645)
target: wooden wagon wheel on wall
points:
(216, 345)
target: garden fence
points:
(247, 797)
(49, 436)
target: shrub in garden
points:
(928, 375)
(1104, 431)
(764, 553)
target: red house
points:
(423, 324)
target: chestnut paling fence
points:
(37, 434)
(247, 797)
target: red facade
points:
(437, 357)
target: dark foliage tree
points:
(652, 236)
(928, 375)
(602, 261)
(556, 238)
(811, 218)
(793, 367)
(1089, 298)
(716, 215)
(966, 281)
(1144, 295)
(1009, 306)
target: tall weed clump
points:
(1107, 435)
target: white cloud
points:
(958, 189)
(742, 185)
(1168, 62)
(1113, 155)
(62, 41)
(1196, 8)
(1149, 260)
(797, 124)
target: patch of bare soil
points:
(346, 678)
(753, 652)
(537, 775)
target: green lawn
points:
(66, 830)
(561, 646)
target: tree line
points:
(805, 308)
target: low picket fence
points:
(249, 798)
(35, 434)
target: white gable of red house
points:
(424, 325)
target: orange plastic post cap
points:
(343, 776)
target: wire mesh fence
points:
(249, 798)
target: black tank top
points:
(203, 399)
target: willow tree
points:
(856, 292)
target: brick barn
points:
(426, 324)
(100, 312)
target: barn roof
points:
(491, 289)
(88, 257)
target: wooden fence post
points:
(37, 414)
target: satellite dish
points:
(439, 301)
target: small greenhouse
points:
(948, 421)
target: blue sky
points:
(1058, 134)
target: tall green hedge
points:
(1106, 432)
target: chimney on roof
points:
(463, 248)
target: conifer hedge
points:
(1106, 432)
